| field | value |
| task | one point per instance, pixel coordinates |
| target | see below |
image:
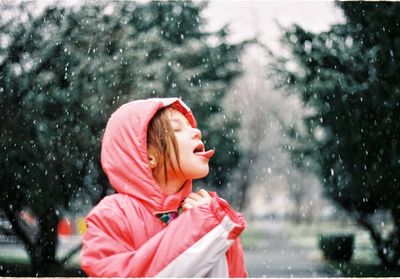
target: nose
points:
(196, 133)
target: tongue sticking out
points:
(208, 154)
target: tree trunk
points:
(43, 251)
(388, 250)
(41, 248)
(244, 179)
(395, 237)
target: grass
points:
(357, 269)
(364, 261)
(10, 254)
(252, 237)
(14, 261)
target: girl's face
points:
(192, 156)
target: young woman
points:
(154, 225)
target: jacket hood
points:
(124, 155)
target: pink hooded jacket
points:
(124, 236)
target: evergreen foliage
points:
(348, 78)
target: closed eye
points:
(179, 124)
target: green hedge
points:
(337, 247)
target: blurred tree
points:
(63, 71)
(348, 77)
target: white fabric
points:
(220, 269)
(203, 258)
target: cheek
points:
(182, 147)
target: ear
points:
(152, 161)
(152, 158)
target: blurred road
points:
(276, 256)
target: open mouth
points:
(199, 148)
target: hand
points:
(196, 199)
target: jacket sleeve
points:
(190, 246)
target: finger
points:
(193, 202)
(186, 206)
(203, 193)
(194, 196)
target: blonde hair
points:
(161, 139)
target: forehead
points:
(176, 116)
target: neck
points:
(172, 186)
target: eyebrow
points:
(181, 121)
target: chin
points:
(201, 174)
